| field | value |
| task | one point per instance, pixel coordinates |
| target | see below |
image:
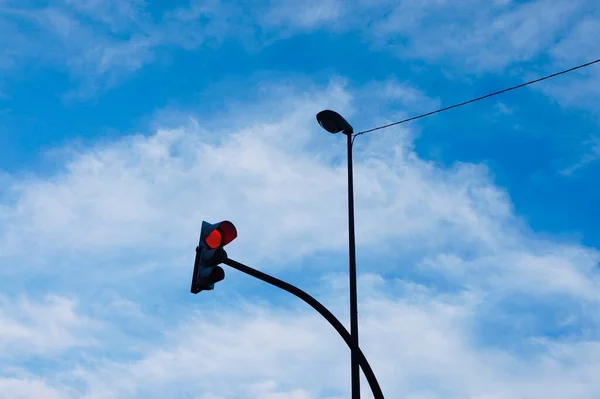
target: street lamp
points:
(335, 123)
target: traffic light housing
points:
(210, 253)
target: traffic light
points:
(210, 253)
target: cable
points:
(479, 98)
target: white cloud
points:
(102, 42)
(150, 193)
(472, 34)
(418, 345)
(478, 37)
(307, 14)
(592, 154)
(400, 93)
(122, 194)
(17, 388)
(580, 89)
(42, 328)
(153, 191)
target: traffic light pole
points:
(357, 354)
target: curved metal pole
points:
(339, 327)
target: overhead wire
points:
(478, 98)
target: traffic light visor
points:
(228, 232)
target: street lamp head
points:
(333, 122)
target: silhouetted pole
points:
(335, 123)
(355, 373)
(357, 354)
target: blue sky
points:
(124, 124)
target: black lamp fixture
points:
(334, 122)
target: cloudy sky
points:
(126, 123)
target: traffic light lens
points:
(213, 240)
(217, 274)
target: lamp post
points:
(335, 123)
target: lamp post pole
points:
(355, 371)
(335, 123)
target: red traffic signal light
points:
(218, 234)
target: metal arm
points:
(339, 327)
